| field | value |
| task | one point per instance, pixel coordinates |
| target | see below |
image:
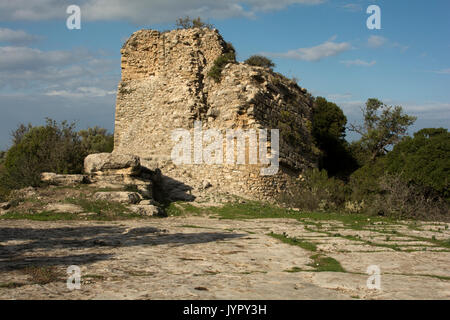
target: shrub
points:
(423, 160)
(188, 23)
(216, 70)
(53, 148)
(260, 61)
(402, 200)
(315, 191)
(2, 156)
(364, 182)
(96, 140)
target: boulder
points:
(64, 208)
(63, 179)
(112, 163)
(118, 196)
(147, 210)
(5, 205)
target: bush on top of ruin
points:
(260, 61)
(188, 23)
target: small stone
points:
(206, 184)
(86, 214)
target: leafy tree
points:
(260, 61)
(384, 126)
(328, 131)
(96, 140)
(188, 23)
(55, 147)
(18, 134)
(423, 160)
(52, 147)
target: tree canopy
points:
(383, 127)
(328, 130)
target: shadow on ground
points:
(29, 245)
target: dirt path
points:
(206, 258)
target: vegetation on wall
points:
(188, 23)
(229, 56)
(260, 61)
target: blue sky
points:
(47, 70)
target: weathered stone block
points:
(118, 196)
(112, 163)
(63, 179)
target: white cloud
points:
(25, 58)
(16, 36)
(142, 11)
(337, 97)
(400, 46)
(379, 41)
(438, 108)
(376, 41)
(353, 7)
(327, 49)
(359, 63)
(443, 71)
(81, 92)
(73, 73)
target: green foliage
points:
(260, 61)
(328, 130)
(364, 181)
(325, 264)
(2, 157)
(405, 200)
(423, 160)
(55, 147)
(384, 126)
(317, 192)
(188, 23)
(96, 140)
(216, 70)
(304, 244)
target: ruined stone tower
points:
(165, 86)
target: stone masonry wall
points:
(165, 86)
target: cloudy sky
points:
(47, 70)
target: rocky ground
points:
(213, 255)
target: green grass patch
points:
(177, 209)
(99, 206)
(294, 269)
(325, 264)
(258, 210)
(294, 241)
